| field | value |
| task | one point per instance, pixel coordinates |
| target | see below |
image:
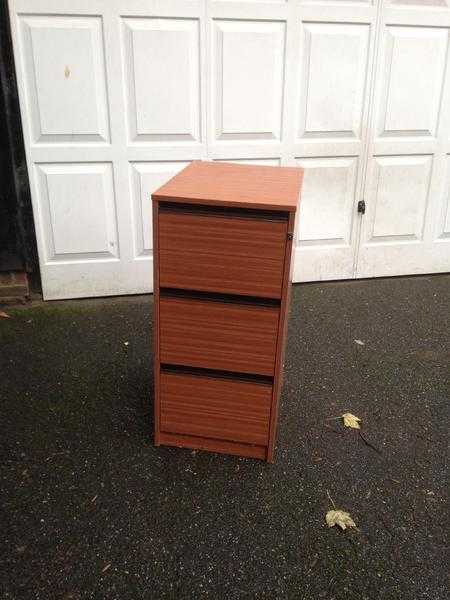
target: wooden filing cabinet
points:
(222, 262)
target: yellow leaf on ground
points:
(4, 315)
(339, 517)
(351, 421)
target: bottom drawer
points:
(215, 407)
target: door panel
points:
(64, 73)
(334, 63)
(247, 107)
(153, 49)
(407, 184)
(116, 97)
(326, 236)
(398, 198)
(409, 104)
(336, 50)
(75, 201)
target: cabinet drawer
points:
(211, 407)
(227, 336)
(233, 251)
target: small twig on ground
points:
(330, 585)
(366, 441)
(312, 565)
(331, 500)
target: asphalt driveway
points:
(90, 509)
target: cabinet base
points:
(212, 445)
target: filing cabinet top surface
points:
(234, 185)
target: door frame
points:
(19, 197)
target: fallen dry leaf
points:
(359, 342)
(4, 315)
(106, 568)
(339, 517)
(351, 421)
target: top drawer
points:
(235, 251)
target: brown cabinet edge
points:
(281, 339)
(228, 203)
(156, 365)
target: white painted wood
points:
(79, 219)
(409, 104)
(162, 108)
(407, 185)
(248, 79)
(66, 89)
(113, 104)
(119, 95)
(334, 66)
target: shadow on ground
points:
(92, 510)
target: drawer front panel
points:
(220, 253)
(225, 409)
(218, 335)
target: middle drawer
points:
(225, 335)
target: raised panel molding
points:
(423, 3)
(248, 65)
(443, 220)
(398, 197)
(332, 80)
(65, 76)
(333, 2)
(411, 82)
(328, 199)
(146, 177)
(258, 1)
(77, 206)
(162, 64)
(268, 162)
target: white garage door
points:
(118, 95)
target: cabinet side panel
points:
(156, 361)
(281, 340)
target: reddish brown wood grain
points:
(213, 445)
(281, 341)
(217, 408)
(156, 405)
(236, 255)
(216, 335)
(222, 250)
(229, 184)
